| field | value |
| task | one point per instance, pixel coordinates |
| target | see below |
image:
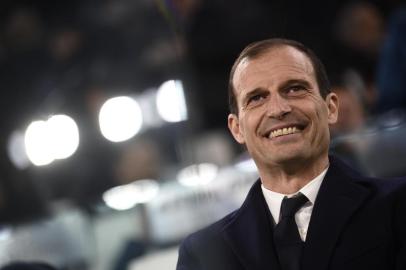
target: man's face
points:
(282, 116)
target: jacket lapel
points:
(250, 233)
(338, 198)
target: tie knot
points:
(290, 205)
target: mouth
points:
(283, 131)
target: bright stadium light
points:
(56, 138)
(37, 138)
(170, 101)
(198, 174)
(64, 136)
(127, 196)
(120, 118)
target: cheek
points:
(323, 129)
(249, 124)
(321, 111)
(320, 121)
(245, 128)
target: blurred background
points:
(113, 142)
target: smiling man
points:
(307, 210)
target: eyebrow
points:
(255, 91)
(293, 82)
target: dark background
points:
(70, 56)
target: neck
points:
(290, 178)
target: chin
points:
(282, 158)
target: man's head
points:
(280, 102)
(257, 49)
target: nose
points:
(278, 107)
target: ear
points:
(332, 106)
(235, 128)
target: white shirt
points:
(302, 216)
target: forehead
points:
(274, 66)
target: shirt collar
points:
(310, 190)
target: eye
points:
(255, 100)
(296, 90)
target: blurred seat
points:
(163, 259)
(380, 148)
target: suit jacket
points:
(357, 223)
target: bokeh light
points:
(37, 143)
(197, 174)
(56, 138)
(64, 136)
(127, 196)
(170, 101)
(120, 119)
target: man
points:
(281, 108)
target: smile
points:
(284, 131)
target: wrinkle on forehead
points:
(274, 59)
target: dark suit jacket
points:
(357, 223)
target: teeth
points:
(283, 131)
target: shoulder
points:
(209, 247)
(212, 234)
(200, 249)
(208, 236)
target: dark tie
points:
(287, 240)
